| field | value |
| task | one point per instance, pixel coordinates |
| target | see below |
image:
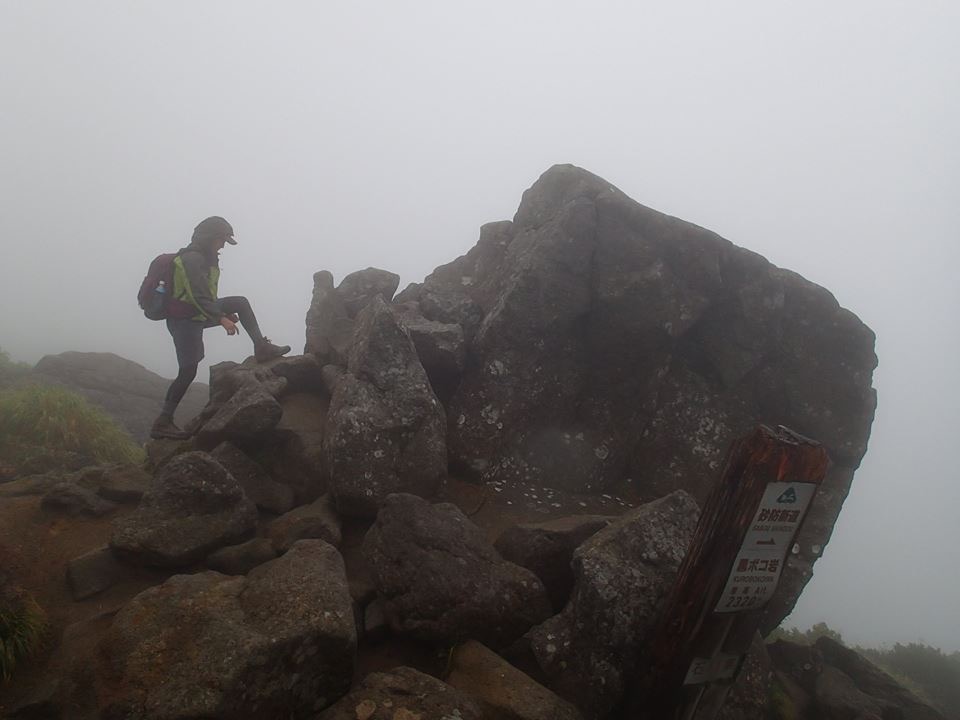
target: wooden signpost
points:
(731, 570)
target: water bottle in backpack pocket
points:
(155, 290)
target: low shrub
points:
(44, 427)
(23, 626)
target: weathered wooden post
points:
(742, 540)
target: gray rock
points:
(118, 482)
(619, 343)
(241, 559)
(69, 498)
(403, 694)
(359, 288)
(749, 697)
(385, 427)
(440, 346)
(546, 549)
(195, 507)
(277, 643)
(440, 580)
(329, 328)
(297, 453)
(256, 483)
(94, 572)
(303, 373)
(160, 452)
(316, 520)
(248, 415)
(502, 689)
(623, 572)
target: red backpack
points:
(156, 291)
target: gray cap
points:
(214, 227)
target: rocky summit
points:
(466, 500)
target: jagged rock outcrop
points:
(195, 507)
(440, 580)
(385, 428)
(622, 574)
(607, 341)
(331, 317)
(277, 643)
(125, 390)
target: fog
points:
(342, 135)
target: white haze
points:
(340, 135)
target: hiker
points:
(195, 276)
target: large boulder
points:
(195, 507)
(441, 581)
(333, 310)
(404, 693)
(248, 416)
(589, 652)
(385, 428)
(278, 643)
(615, 343)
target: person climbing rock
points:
(194, 306)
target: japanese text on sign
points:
(759, 562)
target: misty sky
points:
(340, 135)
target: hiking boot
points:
(266, 351)
(164, 429)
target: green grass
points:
(49, 424)
(22, 629)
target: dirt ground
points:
(36, 545)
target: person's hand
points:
(234, 317)
(229, 325)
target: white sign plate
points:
(719, 667)
(759, 562)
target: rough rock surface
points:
(441, 581)
(440, 347)
(385, 427)
(749, 698)
(503, 690)
(616, 342)
(256, 483)
(333, 310)
(195, 507)
(546, 549)
(248, 415)
(278, 643)
(622, 573)
(316, 520)
(93, 572)
(117, 482)
(297, 453)
(126, 391)
(403, 694)
(71, 499)
(241, 559)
